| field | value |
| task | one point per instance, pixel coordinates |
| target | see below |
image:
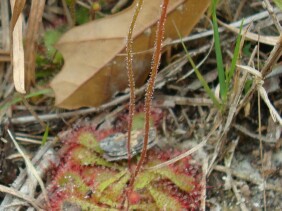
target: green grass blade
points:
(17, 99)
(199, 75)
(235, 56)
(45, 135)
(278, 3)
(220, 68)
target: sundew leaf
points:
(72, 183)
(143, 179)
(144, 206)
(88, 140)
(182, 181)
(85, 205)
(163, 200)
(86, 157)
(112, 194)
(105, 184)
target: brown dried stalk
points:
(150, 87)
(130, 75)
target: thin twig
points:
(253, 135)
(239, 197)
(236, 24)
(19, 195)
(189, 152)
(30, 166)
(203, 184)
(269, 8)
(248, 177)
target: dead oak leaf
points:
(94, 69)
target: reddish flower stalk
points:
(150, 88)
(130, 74)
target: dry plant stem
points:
(20, 181)
(272, 14)
(261, 151)
(239, 197)
(17, 46)
(267, 68)
(18, 194)
(17, 8)
(260, 141)
(189, 152)
(5, 25)
(130, 74)
(247, 177)
(34, 21)
(204, 183)
(236, 24)
(273, 57)
(43, 125)
(30, 167)
(253, 135)
(239, 9)
(68, 14)
(150, 87)
(119, 5)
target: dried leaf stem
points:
(130, 75)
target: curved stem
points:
(130, 74)
(150, 87)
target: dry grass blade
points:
(17, 51)
(267, 68)
(204, 184)
(240, 200)
(17, 8)
(34, 22)
(22, 181)
(269, 8)
(248, 177)
(5, 25)
(269, 40)
(189, 152)
(273, 57)
(18, 194)
(259, 82)
(4, 56)
(201, 62)
(30, 167)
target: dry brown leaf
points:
(94, 70)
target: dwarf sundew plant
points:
(88, 178)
